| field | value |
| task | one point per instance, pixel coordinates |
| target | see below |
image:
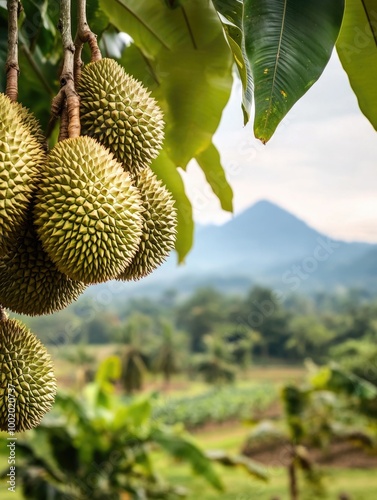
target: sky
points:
(321, 164)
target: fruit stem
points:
(12, 69)
(84, 35)
(64, 122)
(67, 75)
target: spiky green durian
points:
(27, 381)
(21, 159)
(87, 212)
(30, 283)
(118, 111)
(31, 123)
(159, 226)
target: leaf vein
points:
(277, 63)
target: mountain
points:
(263, 236)
(272, 246)
(267, 245)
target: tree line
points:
(217, 335)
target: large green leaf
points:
(231, 17)
(165, 170)
(336, 379)
(209, 161)
(183, 448)
(251, 466)
(289, 43)
(357, 50)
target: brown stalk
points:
(67, 76)
(64, 122)
(12, 68)
(84, 35)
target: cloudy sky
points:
(321, 164)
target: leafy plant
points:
(316, 413)
(184, 52)
(96, 446)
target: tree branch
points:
(84, 35)
(67, 74)
(12, 68)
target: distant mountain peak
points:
(263, 203)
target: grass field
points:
(358, 484)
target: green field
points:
(229, 436)
(358, 484)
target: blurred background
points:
(249, 372)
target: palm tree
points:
(242, 348)
(167, 358)
(133, 369)
(134, 356)
(215, 364)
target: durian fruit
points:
(27, 381)
(87, 212)
(29, 281)
(21, 160)
(159, 226)
(31, 123)
(118, 111)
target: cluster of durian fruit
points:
(87, 211)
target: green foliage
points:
(288, 45)
(336, 379)
(209, 161)
(215, 364)
(317, 413)
(252, 326)
(307, 336)
(201, 314)
(358, 357)
(167, 357)
(231, 13)
(261, 311)
(357, 50)
(183, 51)
(96, 447)
(215, 406)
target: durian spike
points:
(159, 226)
(87, 212)
(31, 123)
(119, 112)
(21, 162)
(30, 283)
(28, 384)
